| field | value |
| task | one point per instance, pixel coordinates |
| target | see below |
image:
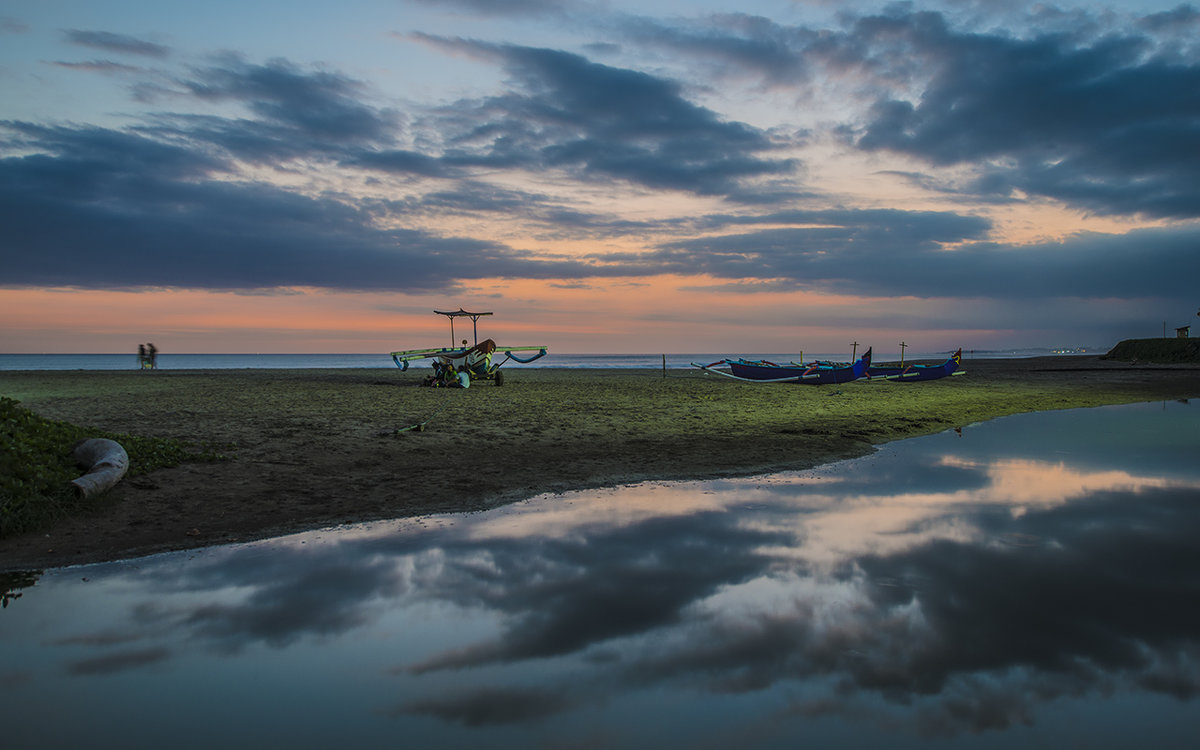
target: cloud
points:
(320, 600)
(119, 43)
(1183, 19)
(400, 161)
(1099, 117)
(733, 44)
(10, 25)
(167, 203)
(296, 112)
(118, 662)
(1110, 125)
(600, 122)
(106, 209)
(649, 573)
(481, 707)
(936, 254)
(1043, 617)
(99, 66)
(98, 208)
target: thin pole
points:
(854, 351)
(902, 346)
(664, 367)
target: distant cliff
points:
(1162, 351)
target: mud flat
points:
(314, 448)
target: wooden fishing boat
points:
(459, 365)
(816, 373)
(918, 373)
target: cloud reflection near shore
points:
(924, 589)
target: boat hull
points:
(918, 373)
(815, 374)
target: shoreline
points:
(315, 448)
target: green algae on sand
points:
(312, 448)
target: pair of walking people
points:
(147, 357)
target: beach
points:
(313, 448)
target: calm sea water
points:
(168, 361)
(1028, 582)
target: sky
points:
(608, 176)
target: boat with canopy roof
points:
(458, 365)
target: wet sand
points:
(316, 448)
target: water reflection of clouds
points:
(959, 593)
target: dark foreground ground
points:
(314, 448)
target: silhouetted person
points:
(152, 355)
(141, 356)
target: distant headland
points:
(1158, 351)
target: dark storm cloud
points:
(1183, 19)
(401, 161)
(547, 217)
(593, 120)
(317, 111)
(1087, 600)
(1106, 119)
(102, 209)
(1110, 124)
(120, 43)
(557, 596)
(889, 252)
(1104, 122)
(971, 637)
(566, 596)
(313, 599)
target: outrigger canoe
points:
(459, 365)
(817, 373)
(918, 373)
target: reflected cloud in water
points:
(944, 586)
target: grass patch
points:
(36, 465)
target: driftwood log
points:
(106, 462)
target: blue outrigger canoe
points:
(918, 373)
(817, 373)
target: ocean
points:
(169, 361)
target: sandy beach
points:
(315, 448)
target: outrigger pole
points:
(459, 313)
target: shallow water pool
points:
(1032, 581)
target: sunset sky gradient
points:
(761, 176)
